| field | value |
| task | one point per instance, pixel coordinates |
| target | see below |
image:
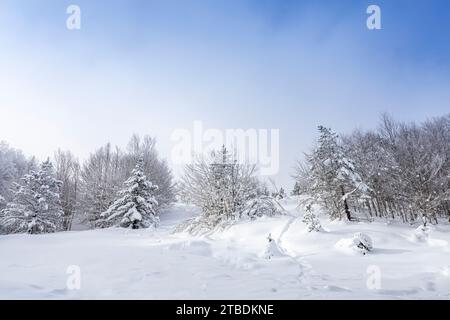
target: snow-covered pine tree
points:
(154, 166)
(271, 249)
(296, 189)
(103, 173)
(223, 168)
(36, 207)
(311, 220)
(282, 193)
(137, 207)
(332, 175)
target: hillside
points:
(159, 264)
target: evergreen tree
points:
(136, 208)
(332, 175)
(281, 194)
(272, 250)
(296, 190)
(36, 207)
(103, 173)
(311, 220)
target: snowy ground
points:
(146, 264)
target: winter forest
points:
(253, 150)
(371, 181)
(110, 188)
(398, 172)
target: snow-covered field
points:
(149, 264)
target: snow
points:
(361, 243)
(272, 249)
(119, 263)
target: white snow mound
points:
(421, 234)
(272, 249)
(360, 243)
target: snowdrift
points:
(228, 264)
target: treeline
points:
(128, 188)
(398, 171)
(47, 197)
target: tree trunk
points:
(346, 209)
(374, 208)
(369, 208)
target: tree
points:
(311, 220)
(68, 172)
(422, 154)
(406, 166)
(145, 148)
(101, 178)
(137, 207)
(272, 249)
(13, 165)
(220, 185)
(332, 180)
(296, 189)
(378, 168)
(107, 168)
(36, 207)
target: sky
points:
(154, 66)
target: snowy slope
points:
(149, 264)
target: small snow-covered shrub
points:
(272, 249)
(260, 206)
(360, 243)
(279, 195)
(202, 225)
(311, 220)
(363, 242)
(255, 208)
(421, 234)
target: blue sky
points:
(153, 66)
